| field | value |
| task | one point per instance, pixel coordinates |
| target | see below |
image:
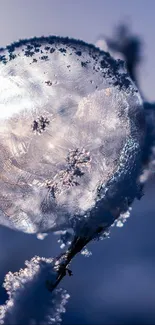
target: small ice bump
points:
(119, 223)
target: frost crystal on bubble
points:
(29, 300)
(71, 133)
(86, 252)
(122, 218)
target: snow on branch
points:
(30, 301)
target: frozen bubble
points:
(71, 132)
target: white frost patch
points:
(86, 252)
(122, 218)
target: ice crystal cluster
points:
(29, 300)
(71, 135)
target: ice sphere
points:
(71, 134)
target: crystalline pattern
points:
(70, 119)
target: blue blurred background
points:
(116, 285)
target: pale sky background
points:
(82, 19)
(117, 284)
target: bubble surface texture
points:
(71, 133)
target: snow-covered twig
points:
(30, 301)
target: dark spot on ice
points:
(3, 59)
(62, 110)
(51, 40)
(44, 57)
(36, 44)
(52, 50)
(29, 53)
(78, 53)
(10, 48)
(34, 60)
(39, 125)
(103, 64)
(29, 47)
(47, 48)
(37, 50)
(12, 56)
(49, 83)
(84, 64)
(78, 172)
(62, 50)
